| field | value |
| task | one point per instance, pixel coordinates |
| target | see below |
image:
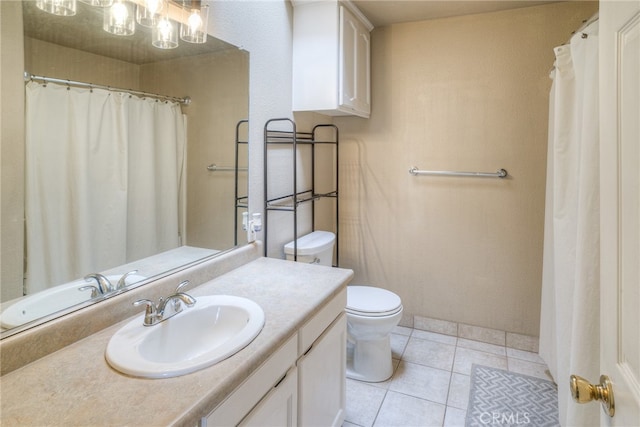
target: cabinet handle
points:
(280, 380)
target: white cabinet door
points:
(278, 407)
(331, 59)
(255, 388)
(355, 53)
(363, 73)
(321, 378)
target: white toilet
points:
(372, 313)
(313, 248)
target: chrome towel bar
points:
(215, 168)
(501, 173)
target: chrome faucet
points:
(104, 285)
(122, 282)
(166, 307)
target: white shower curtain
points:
(569, 326)
(103, 173)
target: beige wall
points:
(11, 150)
(217, 84)
(466, 93)
(52, 60)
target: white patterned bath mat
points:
(502, 398)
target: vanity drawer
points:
(249, 393)
(321, 321)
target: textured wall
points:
(465, 93)
(218, 86)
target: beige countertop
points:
(76, 386)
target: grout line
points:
(380, 407)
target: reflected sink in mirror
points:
(215, 328)
(52, 300)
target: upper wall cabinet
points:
(331, 58)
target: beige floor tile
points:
(435, 325)
(522, 342)
(433, 336)
(477, 333)
(398, 345)
(406, 411)
(454, 417)
(465, 358)
(524, 355)
(537, 370)
(429, 353)
(482, 346)
(459, 391)
(421, 381)
(402, 330)
(363, 403)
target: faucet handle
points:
(150, 312)
(122, 282)
(92, 288)
(182, 285)
(176, 304)
(104, 285)
(150, 305)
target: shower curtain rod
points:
(595, 17)
(28, 76)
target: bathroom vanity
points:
(291, 373)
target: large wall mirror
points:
(105, 185)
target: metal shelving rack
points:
(290, 202)
(240, 201)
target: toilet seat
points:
(369, 301)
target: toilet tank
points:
(313, 248)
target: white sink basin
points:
(215, 328)
(51, 300)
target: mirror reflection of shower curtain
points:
(103, 173)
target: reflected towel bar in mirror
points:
(501, 173)
(215, 168)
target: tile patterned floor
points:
(431, 381)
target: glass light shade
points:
(119, 19)
(195, 19)
(58, 7)
(98, 3)
(165, 34)
(150, 12)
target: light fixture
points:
(150, 12)
(99, 3)
(195, 18)
(58, 7)
(165, 34)
(119, 18)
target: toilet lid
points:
(370, 301)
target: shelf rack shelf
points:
(292, 201)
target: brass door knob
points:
(583, 391)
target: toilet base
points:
(369, 360)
